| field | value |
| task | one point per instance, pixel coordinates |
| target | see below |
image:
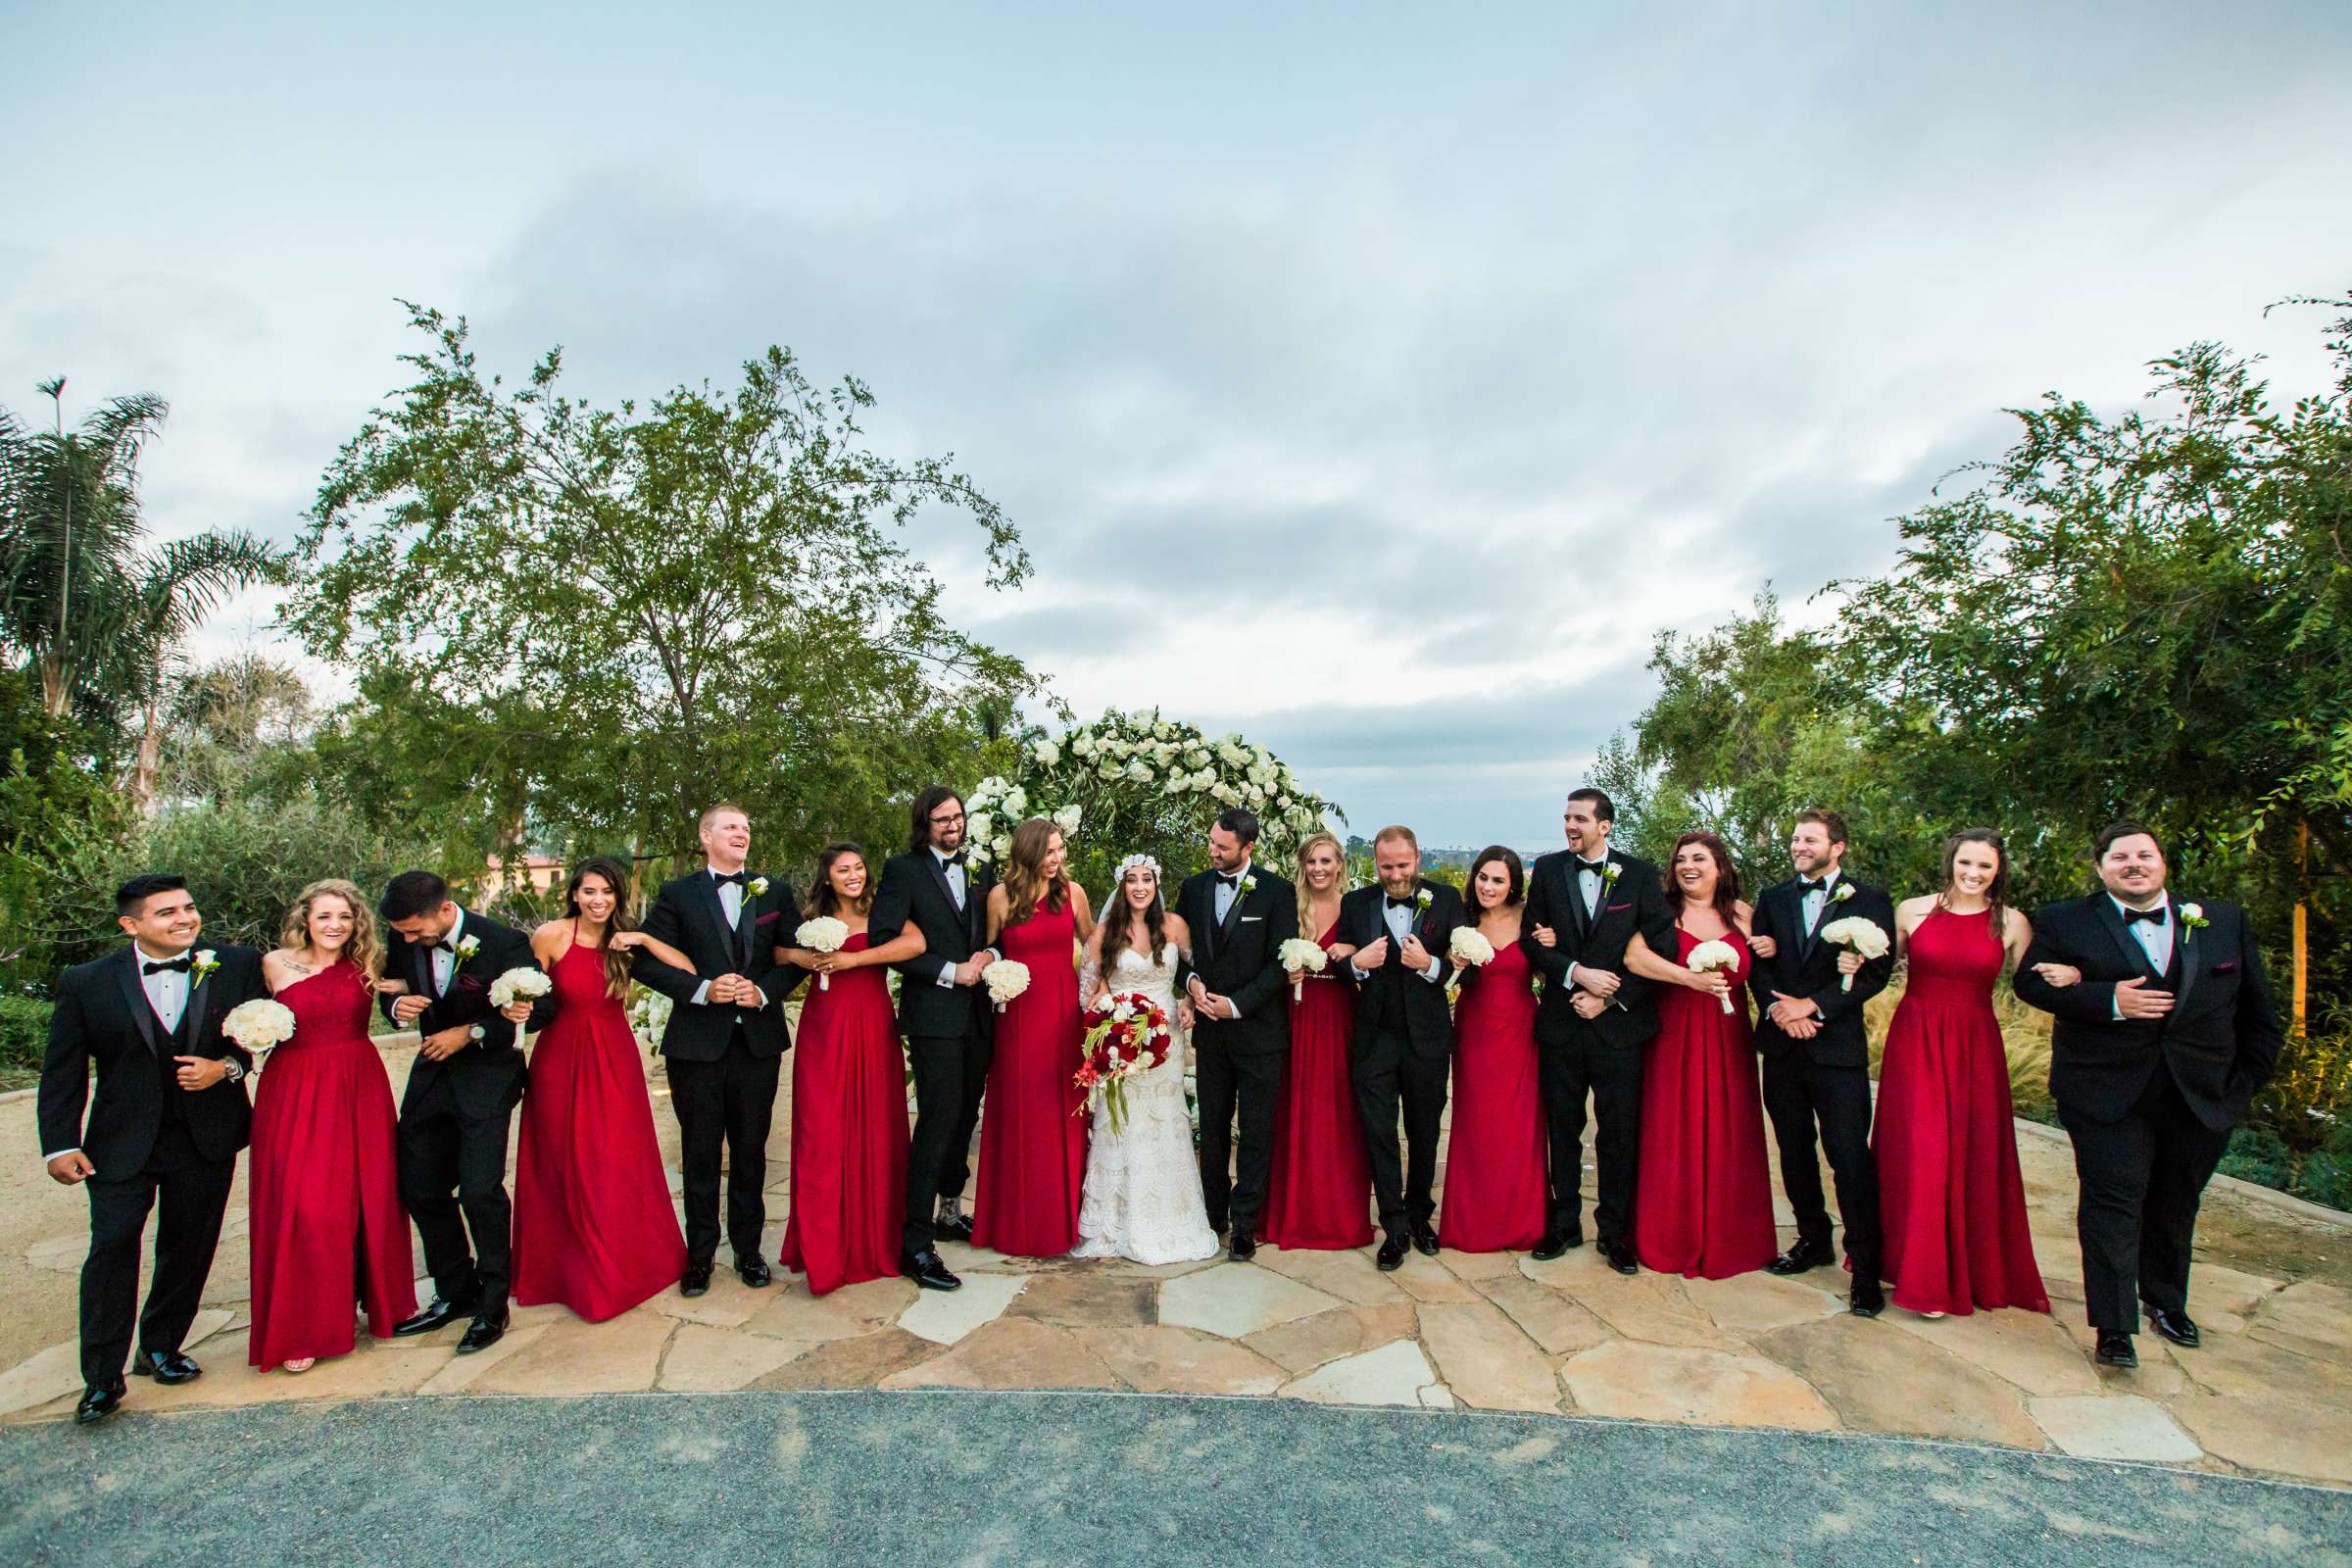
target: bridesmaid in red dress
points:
(1319, 1195)
(1495, 1155)
(1704, 1206)
(326, 1225)
(1952, 1200)
(594, 1228)
(848, 1092)
(1032, 1140)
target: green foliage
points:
(576, 626)
(23, 1035)
(61, 824)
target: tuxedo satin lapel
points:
(939, 880)
(2184, 954)
(745, 920)
(135, 997)
(1572, 895)
(2102, 907)
(192, 1017)
(715, 911)
(420, 971)
(1231, 922)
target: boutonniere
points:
(1422, 899)
(1609, 874)
(467, 948)
(207, 960)
(2193, 915)
(1248, 882)
(1845, 891)
(758, 887)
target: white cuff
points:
(61, 1153)
(762, 1004)
(700, 997)
(1430, 974)
(947, 972)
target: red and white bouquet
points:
(1127, 1033)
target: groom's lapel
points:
(135, 997)
(2185, 956)
(2103, 909)
(714, 909)
(1232, 923)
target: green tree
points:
(573, 626)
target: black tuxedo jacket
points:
(1635, 901)
(2220, 1042)
(688, 915)
(1240, 958)
(1428, 1020)
(1804, 967)
(488, 1072)
(914, 887)
(103, 1016)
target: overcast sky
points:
(1422, 364)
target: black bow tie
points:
(1403, 903)
(953, 859)
(1232, 879)
(175, 966)
(444, 946)
(735, 877)
(1805, 886)
(1599, 867)
(2153, 917)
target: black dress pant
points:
(2143, 1178)
(453, 1182)
(1392, 1076)
(730, 1102)
(194, 1191)
(951, 1073)
(1798, 1094)
(1583, 1065)
(1230, 1082)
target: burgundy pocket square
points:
(769, 918)
(1614, 908)
(2226, 968)
(470, 982)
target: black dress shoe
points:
(1392, 1254)
(1242, 1247)
(696, 1280)
(928, 1270)
(1619, 1255)
(172, 1367)
(958, 1229)
(1425, 1239)
(1866, 1301)
(482, 1333)
(2178, 1327)
(1556, 1242)
(438, 1313)
(1801, 1257)
(97, 1404)
(753, 1271)
(2115, 1350)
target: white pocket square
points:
(1253, 919)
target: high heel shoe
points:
(302, 1363)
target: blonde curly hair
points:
(366, 948)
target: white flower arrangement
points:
(1469, 948)
(1303, 957)
(648, 1015)
(1711, 956)
(2193, 915)
(467, 948)
(1423, 899)
(1047, 753)
(823, 934)
(1858, 934)
(259, 1025)
(1845, 891)
(206, 961)
(757, 887)
(522, 983)
(1006, 979)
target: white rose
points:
(1110, 768)
(1048, 753)
(1016, 803)
(1083, 744)
(1176, 786)
(976, 826)
(1252, 794)
(1067, 819)
(1162, 729)
(1224, 792)
(1139, 773)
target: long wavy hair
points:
(1996, 891)
(1116, 922)
(625, 919)
(1727, 880)
(823, 900)
(366, 949)
(1307, 900)
(1024, 877)
(1513, 895)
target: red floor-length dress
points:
(1495, 1186)
(326, 1223)
(1704, 1206)
(594, 1227)
(849, 1132)
(1032, 1140)
(1320, 1194)
(1952, 1200)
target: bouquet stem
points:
(1298, 990)
(1847, 984)
(825, 980)
(1726, 1001)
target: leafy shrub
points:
(23, 1035)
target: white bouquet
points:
(1713, 954)
(1006, 979)
(1305, 957)
(260, 1024)
(1469, 948)
(519, 984)
(824, 934)
(1858, 934)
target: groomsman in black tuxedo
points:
(1816, 1050)
(1402, 929)
(2154, 1053)
(726, 1037)
(945, 1013)
(1597, 1018)
(1237, 994)
(168, 1120)
(460, 1102)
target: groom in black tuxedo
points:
(170, 1114)
(460, 1102)
(945, 1013)
(1402, 929)
(1236, 992)
(1598, 1014)
(2154, 1054)
(726, 1037)
(1816, 1050)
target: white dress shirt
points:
(1817, 900)
(444, 954)
(2155, 939)
(730, 902)
(1591, 882)
(1399, 921)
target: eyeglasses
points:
(946, 820)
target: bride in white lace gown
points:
(1142, 1196)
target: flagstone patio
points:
(2269, 1393)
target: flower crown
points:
(1133, 862)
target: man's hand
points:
(747, 995)
(1600, 982)
(1763, 947)
(1197, 990)
(1219, 1008)
(1416, 956)
(1586, 1005)
(1546, 937)
(2133, 1002)
(72, 1168)
(1803, 1029)
(1184, 1016)
(408, 1009)
(967, 973)
(1788, 1010)
(1372, 956)
(443, 1043)
(722, 990)
(199, 1072)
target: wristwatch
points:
(477, 1034)
(232, 1070)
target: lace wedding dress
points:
(1141, 1197)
